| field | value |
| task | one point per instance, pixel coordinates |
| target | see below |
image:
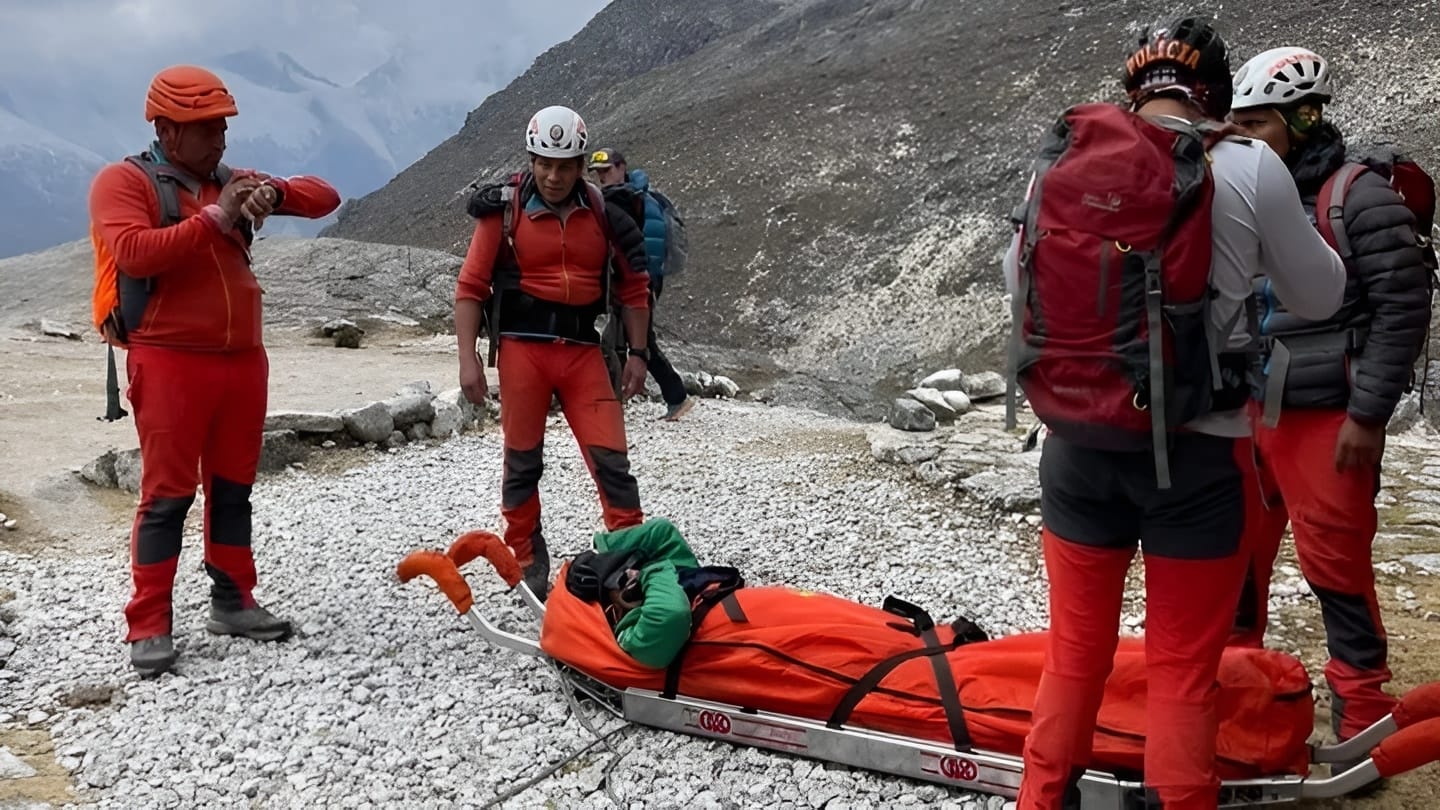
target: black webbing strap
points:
(935, 651)
(726, 599)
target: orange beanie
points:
(186, 93)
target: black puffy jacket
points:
(1360, 358)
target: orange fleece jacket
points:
(205, 298)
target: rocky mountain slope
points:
(306, 282)
(846, 166)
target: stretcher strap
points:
(949, 695)
(944, 681)
(725, 599)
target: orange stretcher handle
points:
(1408, 749)
(470, 545)
(442, 570)
(1420, 703)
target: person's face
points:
(625, 598)
(1265, 124)
(556, 177)
(196, 147)
(610, 175)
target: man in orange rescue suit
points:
(173, 228)
(547, 258)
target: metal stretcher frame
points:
(1410, 735)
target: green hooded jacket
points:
(654, 632)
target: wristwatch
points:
(643, 354)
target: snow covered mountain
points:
(55, 134)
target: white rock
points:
(951, 379)
(12, 767)
(958, 401)
(932, 399)
(448, 417)
(985, 385)
(304, 422)
(36, 716)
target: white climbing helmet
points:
(556, 132)
(1282, 76)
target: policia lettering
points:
(1164, 50)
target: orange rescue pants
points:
(1334, 520)
(530, 373)
(200, 416)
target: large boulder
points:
(935, 401)
(471, 414)
(101, 471)
(372, 423)
(985, 385)
(408, 409)
(281, 448)
(127, 470)
(951, 379)
(907, 414)
(304, 422)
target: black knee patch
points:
(523, 469)
(229, 506)
(157, 538)
(1350, 629)
(612, 473)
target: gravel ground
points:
(385, 698)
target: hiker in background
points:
(650, 209)
(1328, 386)
(547, 257)
(172, 230)
(1124, 466)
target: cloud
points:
(339, 39)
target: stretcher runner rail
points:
(1406, 739)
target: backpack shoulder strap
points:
(165, 183)
(512, 199)
(1330, 208)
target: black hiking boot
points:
(537, 573)
(254, 623)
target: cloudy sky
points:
(60, 43)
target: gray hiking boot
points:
(152, 656)
(537, 573)
(254, 623)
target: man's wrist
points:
(640, 352)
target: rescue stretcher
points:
(1272, 728)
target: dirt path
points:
(52, 392)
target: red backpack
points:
(1111, 340)
(1415, 187)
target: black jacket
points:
(1360, 358)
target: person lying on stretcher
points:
(646, 579)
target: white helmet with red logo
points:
(556, 132)
(1280, 77)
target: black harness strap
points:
(724, 597)
(935, 651)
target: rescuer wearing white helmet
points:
(548, 257)
(1327, 389)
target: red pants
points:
(1333, 518)
(1189, 588)
(200, 416)
(530, 373)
